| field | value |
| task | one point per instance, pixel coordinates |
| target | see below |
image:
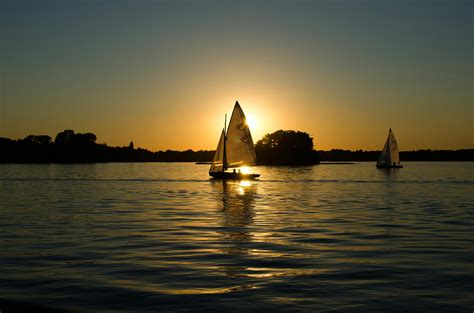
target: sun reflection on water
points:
(243, 184)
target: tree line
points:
(286, 147)
(283, 147)
(71, 147)
(339, 155)
(68, 147)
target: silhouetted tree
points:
(38, 139)
(130, 146)
(286, 147)
(84, 139)
(64, 137)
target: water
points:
(163, 237)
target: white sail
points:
(219, 156)
(390, 152)
(394, 155)
(239, 144)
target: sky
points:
(164, 73)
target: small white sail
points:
(390, 152)
(239, 143)
(219, 156)
(394, 155)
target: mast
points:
(224, 160)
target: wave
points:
(104, 179)
(290, 181)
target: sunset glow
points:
(252, 123)
(163, 74)
(236, 155)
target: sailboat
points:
(389, 158)
(235, 148)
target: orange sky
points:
(163, 74)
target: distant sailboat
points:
(235, 148)
(389, 158)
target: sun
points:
(245, 169)
(256, 125)
(251, 122)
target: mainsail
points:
(235, 147)
(219, 156)
(390, 152)
(239, 143)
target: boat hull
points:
(388, 166)
(232, 175)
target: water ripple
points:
(164, 237)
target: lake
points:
(147, 237)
